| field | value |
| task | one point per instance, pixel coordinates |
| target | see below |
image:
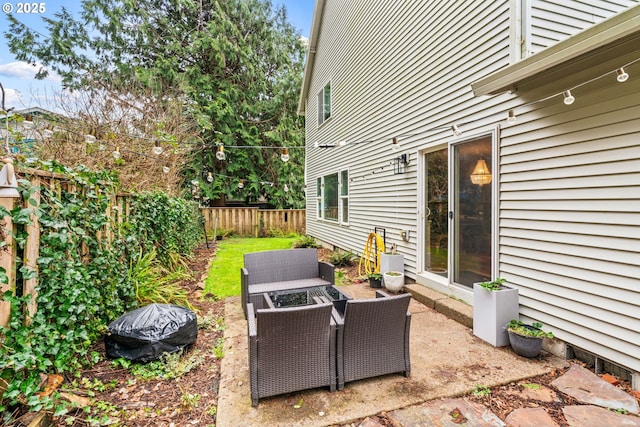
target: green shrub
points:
(306, 242)
(342, 258)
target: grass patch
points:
(223, 279)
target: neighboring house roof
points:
(620, 30)
(311, 55)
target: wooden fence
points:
(117, 211)
(253, 222)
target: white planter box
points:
(391, 262)
(492, 311)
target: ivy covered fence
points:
(69, 247)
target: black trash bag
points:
(149, 332)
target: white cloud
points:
(12, 98)
(25, 71)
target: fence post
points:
(31, 253)
(7, 260)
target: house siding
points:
(419, 64)
(570, 216)
(553, 20)
(569, 180)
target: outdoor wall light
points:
(157, 149)
(481, 174)
(622, 75)
(220, 155)
(285, 155)
(568, 98)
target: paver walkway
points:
(602, 401)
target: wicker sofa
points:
(291, 349)
(279, 270)
(373, 338)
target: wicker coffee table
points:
(304, 296)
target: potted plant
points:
(375, 280)
(526, 340)
(494, 304)
(393, 280)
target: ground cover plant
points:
(223, 279)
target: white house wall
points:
(570, 212)
(396, 69)
(553, 20)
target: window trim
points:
(340, 198)
(322, 114)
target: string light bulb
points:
(456, 131)
(512, 117)
(395, 144)
(286, 188)
(241, 184)
(568, 98)
(165, 169)
(220, 155)
(116, 154)
(209, 177)
(623, 76)
(90, 138)
(285, 155)
(157, 149)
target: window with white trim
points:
(332, 197)
(324, 104)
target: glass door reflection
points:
(436, 209)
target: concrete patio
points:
(446, 361)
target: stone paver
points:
(447, 413)
(594, 416)
(530, 417)
(542, 394)
(587, 387)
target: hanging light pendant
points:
(481, 174)
(220, 155)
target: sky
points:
(17, 78)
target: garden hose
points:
(372, 250)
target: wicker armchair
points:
(291, 349)
(373, 338)
(283, 269)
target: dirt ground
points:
(122, 399)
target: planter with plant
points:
(393, 280)
(526, 340)
(375, 280)
(494, 304)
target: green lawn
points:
(223, 279)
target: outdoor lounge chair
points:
(373, 338)
(278, 270)
(291, 349)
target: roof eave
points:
(602, 34)
(311, 55)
